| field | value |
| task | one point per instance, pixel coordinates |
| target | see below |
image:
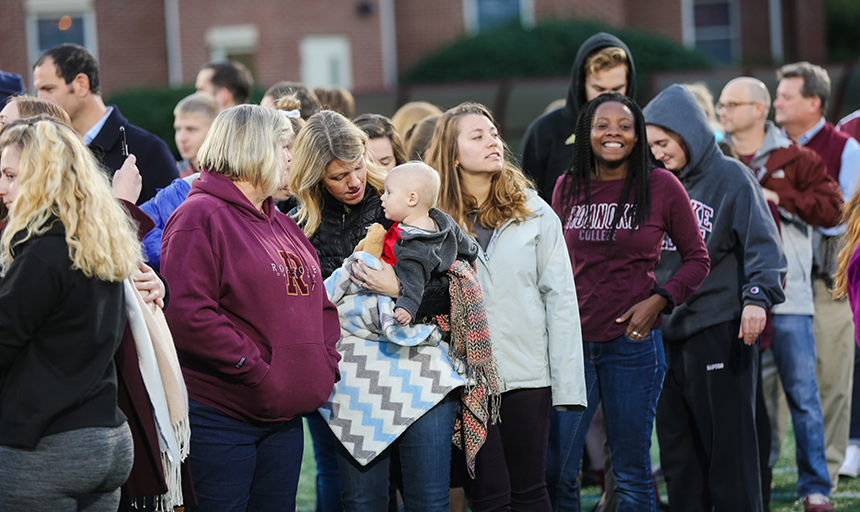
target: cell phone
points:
(124, 142)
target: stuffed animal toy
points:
(372, 243)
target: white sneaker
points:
(851, 466)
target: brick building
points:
(364, 44)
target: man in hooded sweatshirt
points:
(706, 413)
(602, 64)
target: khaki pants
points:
(833, 327)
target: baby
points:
(423, 239)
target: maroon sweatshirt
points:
(253, 327)
(607, 289)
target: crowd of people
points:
(457, 326)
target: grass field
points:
(783, 498)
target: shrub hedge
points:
(546, 50)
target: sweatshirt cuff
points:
(670, 302)
(755, 295)
(406, 303)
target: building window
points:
(233, 42)
(485, 14)
(492, 13)
(326, 61)
(54, 22)
(715, 26)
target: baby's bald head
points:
(420, 178)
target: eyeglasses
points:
(731, 105)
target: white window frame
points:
(691, 35)
(231, 39)
(307, 47)
(39, 9)
(472, 24)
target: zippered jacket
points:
(529, 292)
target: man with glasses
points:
(800, 107)
(795, 181)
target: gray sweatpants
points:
(68, 472)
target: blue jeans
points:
(425, 458)
(239, 466)
(325, 454)
(793, 348)
(627, 376)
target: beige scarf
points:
(162, 377)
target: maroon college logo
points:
(295, 274)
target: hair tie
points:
(295, 114)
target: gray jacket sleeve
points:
(765, 265)
(413, 269)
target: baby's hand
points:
(402, 316)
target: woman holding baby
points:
(339, 187)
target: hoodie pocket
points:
(300, 380)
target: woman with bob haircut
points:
(617, 212)
(525, 274)
(339, 188)
(384, 143)
(65, 251)
(253, 328)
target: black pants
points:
(706, 423)
(510, 468)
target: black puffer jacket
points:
(342, 227)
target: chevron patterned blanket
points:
(390, 374)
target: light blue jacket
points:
(533, 313)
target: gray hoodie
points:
(747, 262)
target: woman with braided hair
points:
(616, 212)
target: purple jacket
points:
(854, 291)
(253, 327)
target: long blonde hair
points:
(851, 214)
(327, 136)
(508, 196)
(58, 178)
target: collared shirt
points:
(848, 172)
(93, 132)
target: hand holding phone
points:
(124, 142)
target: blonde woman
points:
(339, 188)
(526, 277)
(67, 247)
(253, 328)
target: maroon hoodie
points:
(253, 327)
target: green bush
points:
(152, 109)
(547, 50)
(843, 18)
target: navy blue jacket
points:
(154, 159)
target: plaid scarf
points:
(472, 354)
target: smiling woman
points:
(616, 212)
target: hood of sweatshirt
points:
(576, 90)
(677, 110)
(223, 188)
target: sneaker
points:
(816, 503)
(851, 465)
